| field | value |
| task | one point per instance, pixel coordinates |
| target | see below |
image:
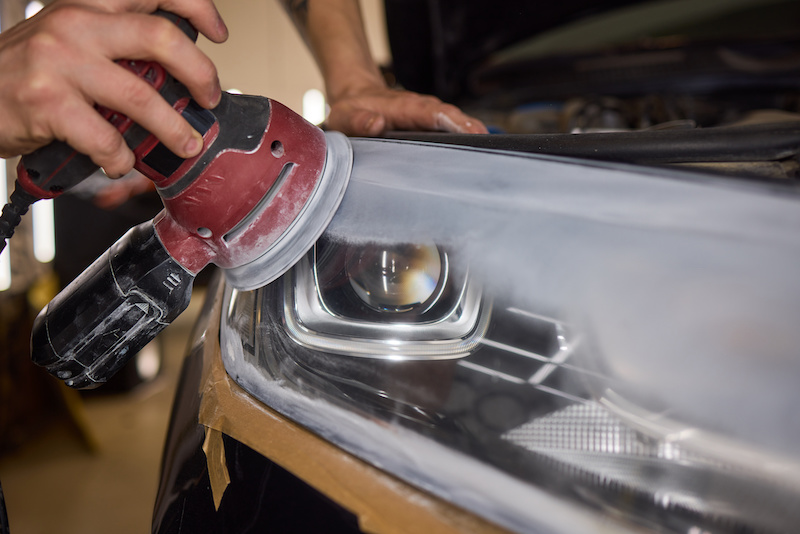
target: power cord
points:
(12, 214)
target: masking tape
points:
(217, 465)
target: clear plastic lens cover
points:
(550, 344)
(335, 304)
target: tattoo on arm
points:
(298, 10)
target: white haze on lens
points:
(686, 289)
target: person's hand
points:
(57, 65)
(372, 112)
(361, 102)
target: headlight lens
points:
(397, 278)
(401, 334)
(527, 387)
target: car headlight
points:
(510, 394)
(498, 394)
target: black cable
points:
(12, 214)
(4, 528)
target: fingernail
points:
(193, 146)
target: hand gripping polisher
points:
(253, 202)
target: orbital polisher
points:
(253, 202)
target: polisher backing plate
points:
(317, 213)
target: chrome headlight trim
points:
(311, 324)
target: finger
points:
(135, 36)
(202, 14)
(122, 91)
(471, 125)
(356, 122)
(85, 130)
(458, 122)
(429, 113)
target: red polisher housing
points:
(243, 201)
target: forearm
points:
(334, 32)
(360, 102)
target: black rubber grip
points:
(111, 311)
